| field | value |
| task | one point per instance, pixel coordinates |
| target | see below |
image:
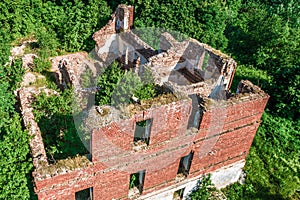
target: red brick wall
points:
(108, 185)
(131, 16)
(114, 158)
(233, 142)
(169, 121)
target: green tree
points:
(15, 164)
(203, 20)
(265, 40)
(118, 86)
(273, 162)
(126, 87)
(107, 82)
(203, 189)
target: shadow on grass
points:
(60, 137)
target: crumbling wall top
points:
(246, 91)
(155, 102)
(211, 49)
(61, 167)
(139, 45)
(245, 86)
(121, 20)
(26, 96)
(95, 120)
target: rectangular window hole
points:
(178, 194)
(86, 194)
(136, 183)
(185, 165)
(142, 132)
(205, 61)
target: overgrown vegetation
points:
(272, 167)
(134, 181)
(262, 36)
(58, 26)
(15, 163)
(203, 189)
(54, 115)
(117, 86)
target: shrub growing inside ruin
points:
(118, 86)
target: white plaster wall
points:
(227, 175)
(107, 46)
(168, 195)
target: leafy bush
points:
(134, 181)
(15, 164)
(203, 189)
(108, 81)
(117, 86)
(285, 91)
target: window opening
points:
(196, 121)
(136, 183)
(205, 61)
(142, 132)
(86, 194)
(178, 195)
(185, 164)
(197, 62)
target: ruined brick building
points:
(160, 148)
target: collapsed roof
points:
(188, 66)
